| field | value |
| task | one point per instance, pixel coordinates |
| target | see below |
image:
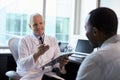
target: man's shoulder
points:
(50, 37)
(95, 56)
(28, 37)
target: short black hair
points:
(104, 19)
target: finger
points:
(42, 49)
(42, 46)
(63, 61)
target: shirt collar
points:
(113, 39)
(39, 36)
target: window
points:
(63, 18)
(60, 18)
(15, 15)
(62, 28)
(16, 23)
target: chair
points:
(13, 45)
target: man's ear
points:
(95, 31)
(30, 26)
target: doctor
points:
(37, 49)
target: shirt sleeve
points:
(89, 70)
(25, 60)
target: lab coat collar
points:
(36, 41)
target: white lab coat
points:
(26, 66)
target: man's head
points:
(37, 24)
(101, 24)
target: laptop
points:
(83, 48)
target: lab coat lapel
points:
(46, 40)
(35, 40)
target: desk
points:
(6, 63)
(76, 57)
(75, 60)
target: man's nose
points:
(38, 26)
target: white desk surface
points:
(77, 60)
(5, 51)
(77, 57)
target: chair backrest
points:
(13, 45)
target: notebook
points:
(83, 48)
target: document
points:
(53, 62)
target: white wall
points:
(115, 5)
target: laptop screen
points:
(83, 46)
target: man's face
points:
(37, 25)
(91, 34)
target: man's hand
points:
(63, 62)
(41, 50)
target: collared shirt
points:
(103, 64)
(42, 37)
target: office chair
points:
(13, 45)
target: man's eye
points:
(35, 24)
